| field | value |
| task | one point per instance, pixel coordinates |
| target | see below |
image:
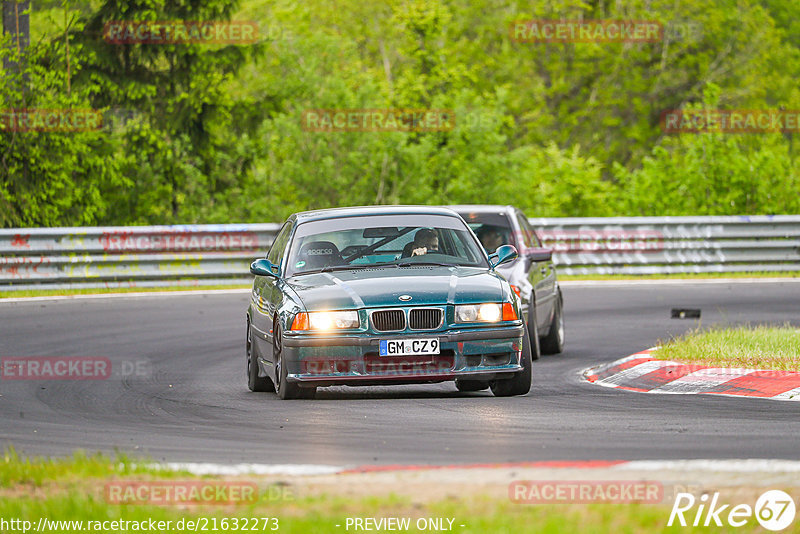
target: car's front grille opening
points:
(409, 365)
(389, 320)
(425, 318)
(502, 358)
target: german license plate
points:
(405, 347)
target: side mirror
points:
(503, 254)
(262, 267)
(540, 254)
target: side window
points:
(462, 248)
(524, 229)
(279, 245)
(528, 229)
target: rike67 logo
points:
(774, 510)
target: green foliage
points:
(50, 178)
(214, 133)
(715, 174)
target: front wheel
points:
(520, 383)
(553, 342)
(284, 388)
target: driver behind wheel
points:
(490, 237)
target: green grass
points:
(71, 489)
(760, 347)
(101, 291)
(15, 470)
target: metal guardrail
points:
(663, 245)
(132, 256)
(219, 254)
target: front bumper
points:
(476, 353)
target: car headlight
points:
(490, 312)
(325, 320)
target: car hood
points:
(379, 287)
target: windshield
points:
(492, 229)
(383, 240)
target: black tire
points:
(471, 385)
(520, 383)
(532, 326)
(285, 389)
(255, 382)
(553, 342)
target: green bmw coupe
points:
(383, 295)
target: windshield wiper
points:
(330, 268)
(436, 263)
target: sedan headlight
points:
(490, 312)
(484, 313)
(325, 320)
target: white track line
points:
(128, 295)
(728, 466)
(252, 469)
(633, 372)
(793, 394)
(673, 282)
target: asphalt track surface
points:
(188, 401)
